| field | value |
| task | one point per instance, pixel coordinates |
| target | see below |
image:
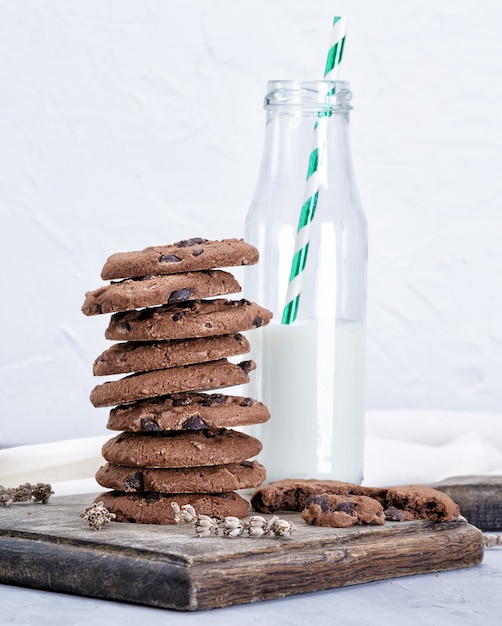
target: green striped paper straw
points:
(334, 58)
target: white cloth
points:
(428, 446)
(69, 465)
(401, 447)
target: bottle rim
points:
(308, 95)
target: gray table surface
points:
(467, 596)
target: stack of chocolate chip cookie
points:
(175, 337)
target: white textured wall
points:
(127, 123)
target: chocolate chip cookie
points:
(155, 508)
(188, 411)
(200, 318)
(183, 256)
(180, 449)
(150, 291)
(211, 479)
(196, 377)
(342, 511)
(130, 356)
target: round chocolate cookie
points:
(183, 256)
(196, 377)
(156, 508)
(180, 449)
(151, 291)
(188, 411)
(200, 318)
(131, 356)
(210, 479)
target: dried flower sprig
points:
(6, 498)
(96, 515)
(233, 526)
(39, 493)
(206, 526)
(492, 540)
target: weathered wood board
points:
(479, 499)
(50, 547)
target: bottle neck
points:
(300, 118)
(297, 134)
(308, 97)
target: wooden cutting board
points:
(50, 547)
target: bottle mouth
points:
(308, 95)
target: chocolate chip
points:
(169, 258)
(208, 325)
(258, 321)
(197, 252)
(180, 295)
(125, 326)
(346, 507)
(148, 423)
(219, 398)
(237, 303)
(177, 316)
(194, 423)
(322, 501)
(394, 515)
(246, 464)
(99, 309)
(187, 243)
(247, 402)
(214, 398)
(134, 482)
(246, 366)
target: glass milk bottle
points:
(311, 371)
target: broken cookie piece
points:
(342, 511)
